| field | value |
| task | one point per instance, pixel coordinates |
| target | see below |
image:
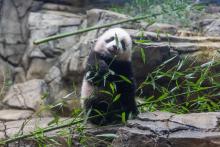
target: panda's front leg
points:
(87, 90)
(97, 72)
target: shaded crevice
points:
(139, 127)
(5, 129)
(5, 59)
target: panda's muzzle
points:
(114, 50)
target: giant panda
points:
(108, 87)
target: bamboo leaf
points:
(117, 97)
(143, 55)
(123, 117)
(125, 79)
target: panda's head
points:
(116, 43)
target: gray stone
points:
(26, 95)
(15, 127)
(2, 130)
(39, 68)
(189, 130)
(37, 53)
(198, 120)
(162, 28)
(13, 53)
(53, 18)
(19, 75)
(55, 83)
(22, 6)
(67, 42)
(13, 114)
(60, 7)
(6, 77)
(155, 116)
(100, 16)
(10, 26)
(70, 62)
(213, 29)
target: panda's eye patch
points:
(110, 39)
(123, 45)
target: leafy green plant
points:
(183, 88)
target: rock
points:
(13, 114)
(55, 83)
(2, 130)
(26, 95)
(20, 127)
(203, 49)
(67, 42)
(22, 6)
(198, 120)
(39, 68)
(162, 28)
(53, 18)
(213, 9)
(213, 29)
(9, 23)
(174, 130)
(70, 63)
(12, 53)
(60, 7)
(100, 17)
(6, 76)
(39, 59)
(19, 75)
(14, 127)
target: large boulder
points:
(14, 114)
(27, 95)
(162, 129)
(39, 59)
(213, 29)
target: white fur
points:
(103, 47)
(86, 91)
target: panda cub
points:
(108, 88)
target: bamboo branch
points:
(58, 36)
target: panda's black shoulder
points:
(122, 68)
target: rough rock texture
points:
(13, 114)
(161, 129)
(39, 59)
(162, 28)
(154, 129)
(213, 28)
(6, 77)
(26, 95)
(11, 128)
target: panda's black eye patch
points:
(123, 45)
(110, 39)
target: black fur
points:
(102, 71)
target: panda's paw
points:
(90, 76)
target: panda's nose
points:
(115, 48)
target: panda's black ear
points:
(123, 45)
(110, 39)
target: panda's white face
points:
(116, 43)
